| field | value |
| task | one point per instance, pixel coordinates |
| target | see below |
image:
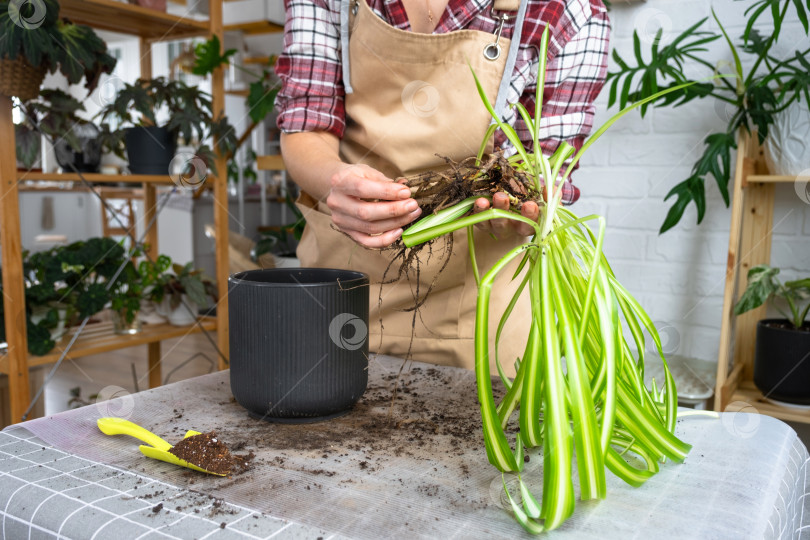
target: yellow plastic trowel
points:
(157, 449)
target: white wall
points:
(679, 276)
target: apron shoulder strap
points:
(506, 80)
(345, 15)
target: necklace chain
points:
(430, 12)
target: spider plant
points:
(578, 384)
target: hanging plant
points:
(33, 33)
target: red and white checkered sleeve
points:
(311, 95)
(574, 77)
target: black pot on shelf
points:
(88, 159)
(150, 149)
(298, 342)
(782, 362)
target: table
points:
(409, 466)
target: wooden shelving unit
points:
(96, 177)
(254, 28)
(149, 26)
(749, 245)
(256, 60)
(134, 20)
(99, 338)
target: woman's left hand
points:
(502, 228)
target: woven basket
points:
(19, 78)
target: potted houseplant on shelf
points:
(34, 40)
(77, 142)
(150, 145)
(782, 357)
(764, 88)
(47, 312)
(177, 291)
(126, 294)
(282, 241)
(64, 282)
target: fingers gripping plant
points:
(578, 385)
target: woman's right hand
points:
(370, 207)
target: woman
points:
(373, 90)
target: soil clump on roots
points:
(437, 190)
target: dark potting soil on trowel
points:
(208, 452)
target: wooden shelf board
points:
(749, 394)
(96, 177)
(255, 28)
(99, 338)
(242, 93)
(275, 228)
(270, 163)
(770, 179)
(131, 19)
(262, 60)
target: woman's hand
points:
(502, 228)
(314, 163)
(370, 224)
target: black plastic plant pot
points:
(298, 342)
(782, 362)
(150, 149)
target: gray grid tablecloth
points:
(426, 476)
(49, 494)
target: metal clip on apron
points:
(408, 97)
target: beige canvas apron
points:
(413, 97)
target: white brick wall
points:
(679, 276)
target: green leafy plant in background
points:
(248, 169)
(770, 86)
(83, 278)
(164, 279)
(55, 112)
(278, 241)
(127, 289)
(29, 144)
(598, 403)
(208, 56)
(190, 116)
(764, 286)
(261, 92)
(53, 43)
(70, 278)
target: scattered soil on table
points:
(385, 423)
(420, 419)
(207, 451)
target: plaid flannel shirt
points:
(311, 97)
